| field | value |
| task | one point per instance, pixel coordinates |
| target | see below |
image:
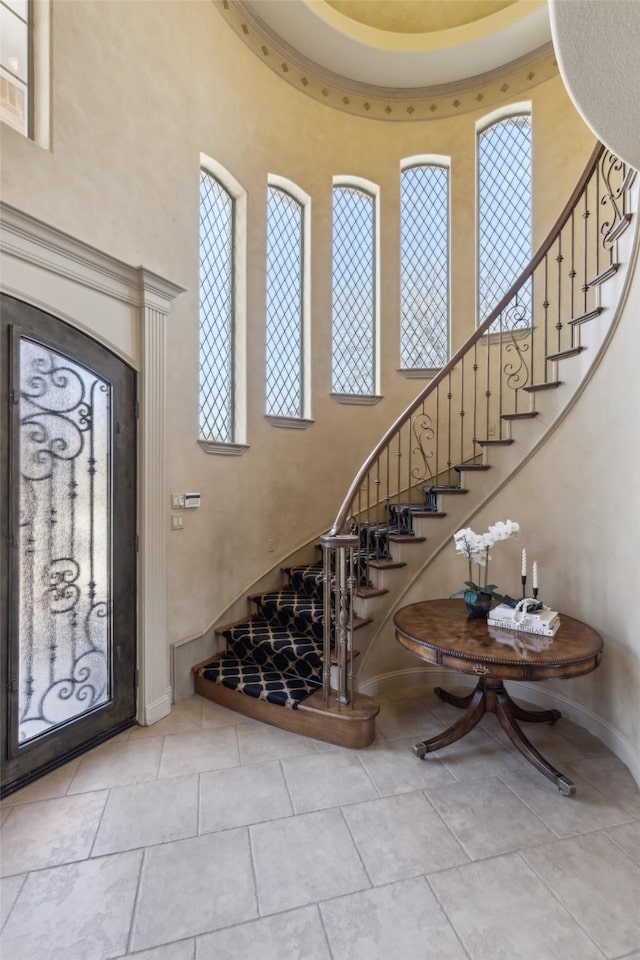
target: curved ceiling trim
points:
(508, 81)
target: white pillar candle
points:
(524, 563)
(535, 574)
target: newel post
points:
(339, 581)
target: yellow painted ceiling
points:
(417, 16)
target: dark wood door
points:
(68, 557)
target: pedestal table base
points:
(490, 696)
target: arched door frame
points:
(127, 309)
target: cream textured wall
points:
(140, 89)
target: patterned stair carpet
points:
(276, 654)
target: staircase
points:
(291, 662)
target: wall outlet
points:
(491, 430)
(177, 522)
(271, 544)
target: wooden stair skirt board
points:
(341, 724)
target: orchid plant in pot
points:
(479, 593)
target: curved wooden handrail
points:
(546, 246)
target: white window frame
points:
(427, 160)
(236, 191)
(298, 194)
(39, 75)
(373, 189)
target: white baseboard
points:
(541, 696)
(156, 710)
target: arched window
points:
(424, 266)
(355, 299)
(504, 213)
(221, 405)
(285, 306)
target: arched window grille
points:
(285, 305)
(354, 310)
(504, 214)
(424, 266)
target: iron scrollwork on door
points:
(64, 542)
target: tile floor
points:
(211, 837)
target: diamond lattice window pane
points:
(504, 216)
(284, 305)
(354, 301)
(424, 267)
(216, 311)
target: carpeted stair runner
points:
(276, 654)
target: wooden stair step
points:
(366, 593)
(564, 354)
(472, 466)
(619, 228)
(590, 315)
(428, 513)
(549, 385)
(604, 275)
(344, 725)
(527, 415)
(489, 442)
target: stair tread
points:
(565, 354)
(490, 442)
(548, 385)
(526, 415)
(472, 466)
(406, 538)
(256, 681)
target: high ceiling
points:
(417, 16)
(368, 56)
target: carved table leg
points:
(451, 698)
(534, 716)
(460, 728)
(503, 706)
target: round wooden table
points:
(441, 632)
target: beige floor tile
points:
(80, 910)
(477, 756)
(487, 818)
(148, 813)
(297, 935)
(50, 832)
(401, 837)
(324, 780)
(555, 748)
(407, 718)
(199, 750)
(184, 716)
(117, 765)
(194, 886)
(401, 921)
(627, 837)
(394, 768)
(260, 742)
(612, 777)
(588, 745)
(181, 950)
(304, 859)
(588, 809)
(10, 887)
(215, 715)
(598, 884)
(243, 795)
(500, 908)
(54, 784)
